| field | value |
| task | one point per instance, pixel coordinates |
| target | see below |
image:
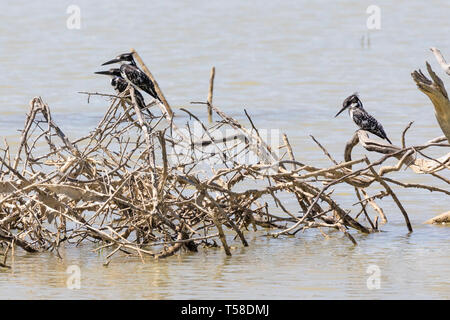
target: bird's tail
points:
(388, 140)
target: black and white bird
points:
(117, 82)
(120, 85)
(133, 75)
(362, 119)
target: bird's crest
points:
(352, 100)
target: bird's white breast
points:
(350, 112)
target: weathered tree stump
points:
(435, 90)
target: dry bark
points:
(442, 218)
(435, 90)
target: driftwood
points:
(408, 156)
(140, 185)
(442, 218)
(210, 93)
(435, 90)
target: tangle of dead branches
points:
(141, 185)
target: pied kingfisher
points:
(132, 74)
(362, 119)
(120, 85)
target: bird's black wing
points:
(140, 101)
(139, 79)
(150, 89)
(120, 85)
(366, 122)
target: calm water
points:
(290, 64)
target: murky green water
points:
(290, 64)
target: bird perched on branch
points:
(117, 82)
(120, 85)
(362, 119)
(133, 75)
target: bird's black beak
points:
(112, 61)
(343, 108)
(108, 73)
